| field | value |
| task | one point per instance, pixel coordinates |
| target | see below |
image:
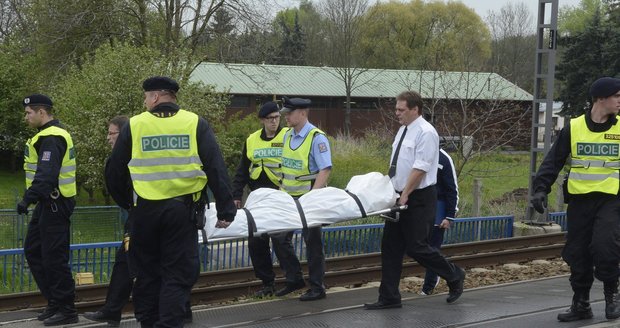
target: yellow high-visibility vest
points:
(66, 178)
(266, 156)
(296, 176)
(164, 156)
(595, 159)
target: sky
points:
(482, 7)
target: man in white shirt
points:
(413, 169)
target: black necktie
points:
(392, 171)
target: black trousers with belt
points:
(410, 236)
(260, 253)
(47, 250)
(592, 246)
(164, 254)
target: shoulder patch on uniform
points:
(46, 155)
(322, 147)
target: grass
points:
(12, 187)
(504, 179)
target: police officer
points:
(260, 167)
(447, 201)
(172, 156)
(49, 163)
(306, 165)
(592, 249)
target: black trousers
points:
(121, 282)
(410, 236)
(315, 256)
(260, 253)
(164, 254)
(47, 250)
(592, 246)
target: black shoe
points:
(576, 313)
(48, 312)
(312, 295)
(380, 305)
(456, 288)
(266, 291)
(289, 288)
(60, 319)
(100, 316)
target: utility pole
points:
(544, 78)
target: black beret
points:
(291, 104)
(37, 99)
(268, 108)
(157, 83)
(605, 87)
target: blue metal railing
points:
(559, 218)
(109, 225)
(98, 258)
(479, 228)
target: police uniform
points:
(49, 163)
(171, 156)
(592, 247)
(260, 167)
(447, 200)
(304, 154)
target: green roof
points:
(251, 79)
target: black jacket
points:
(560, 152)
(117, 172)
(242, 176)
(48, 168)
(446, 184)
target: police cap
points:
(157, 83)
(268, 108)
(37, 99)
(291, 104)
(604, 87)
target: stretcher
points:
(270, 210)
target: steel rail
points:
(226, 285)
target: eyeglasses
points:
(273, 118)
(111, 133)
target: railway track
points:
(226, 285)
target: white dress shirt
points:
(420, 150)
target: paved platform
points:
(530, 304)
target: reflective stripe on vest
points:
(164, 156)
(265, 156)
(595, 159)
(66, 176)
(297, 178)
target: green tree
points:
(344, 21)
(292, 45)
(585, 59)
(17, 79)
(513, 44)
(220, 35)
(109, 84)
(312, 25)
(574, 19)
(428, 36)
